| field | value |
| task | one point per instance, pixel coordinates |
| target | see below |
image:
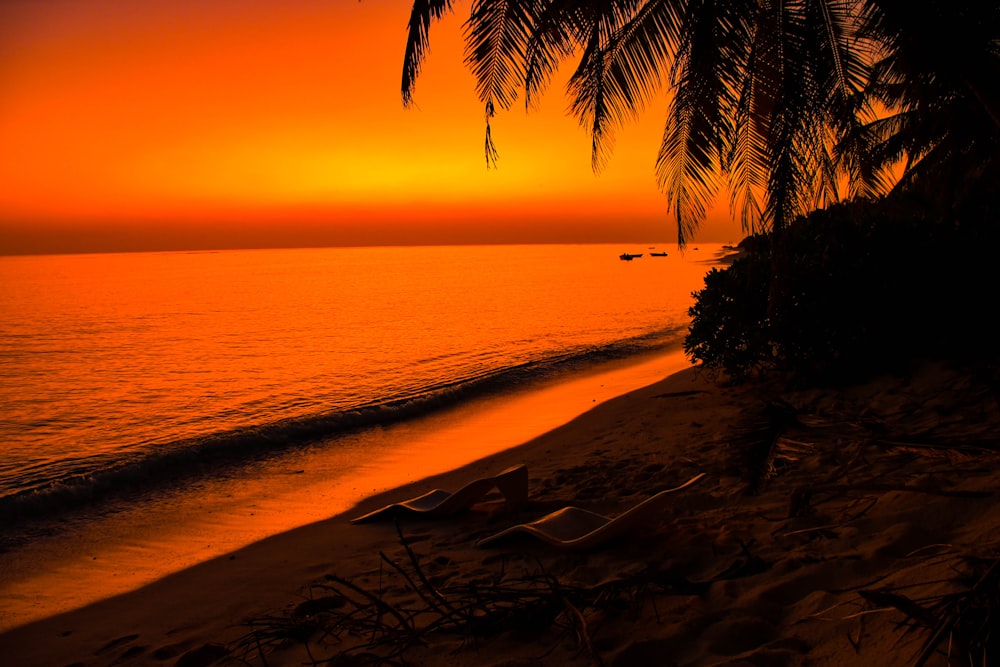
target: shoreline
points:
(98, 556)
(775, 575)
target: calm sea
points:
(130, 376)
(118, 366)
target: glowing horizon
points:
(229, 117)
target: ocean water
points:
(156, 380)
(113, 366)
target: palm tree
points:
(777, 98)
(760, 89)
(938, 70)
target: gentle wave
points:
(100, 477)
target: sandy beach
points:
(841, 526)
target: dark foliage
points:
(870, 286)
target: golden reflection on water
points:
(118, 553)
(112, 553)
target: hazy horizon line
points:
(645, 245)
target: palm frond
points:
(837, 59)
(699, 132)
(497, 33)
(826, 186)
(418, 41)
(835, 24)
(790, 87)
(686, 167)
(747, 163)
(860, 152)
(798, 90)
(937, 72)
(556, 35)
(614, 79)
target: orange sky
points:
(232, 123)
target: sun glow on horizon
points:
(229, 111)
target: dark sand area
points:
(827, 519)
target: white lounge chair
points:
(576, 528)
(512, 483)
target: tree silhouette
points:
(775, 98)
(938, 71)
(760, 90)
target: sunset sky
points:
(176, 124)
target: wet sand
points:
(122, 546)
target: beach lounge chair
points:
(512, 483)
(576, 528)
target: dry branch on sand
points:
(343, 623)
